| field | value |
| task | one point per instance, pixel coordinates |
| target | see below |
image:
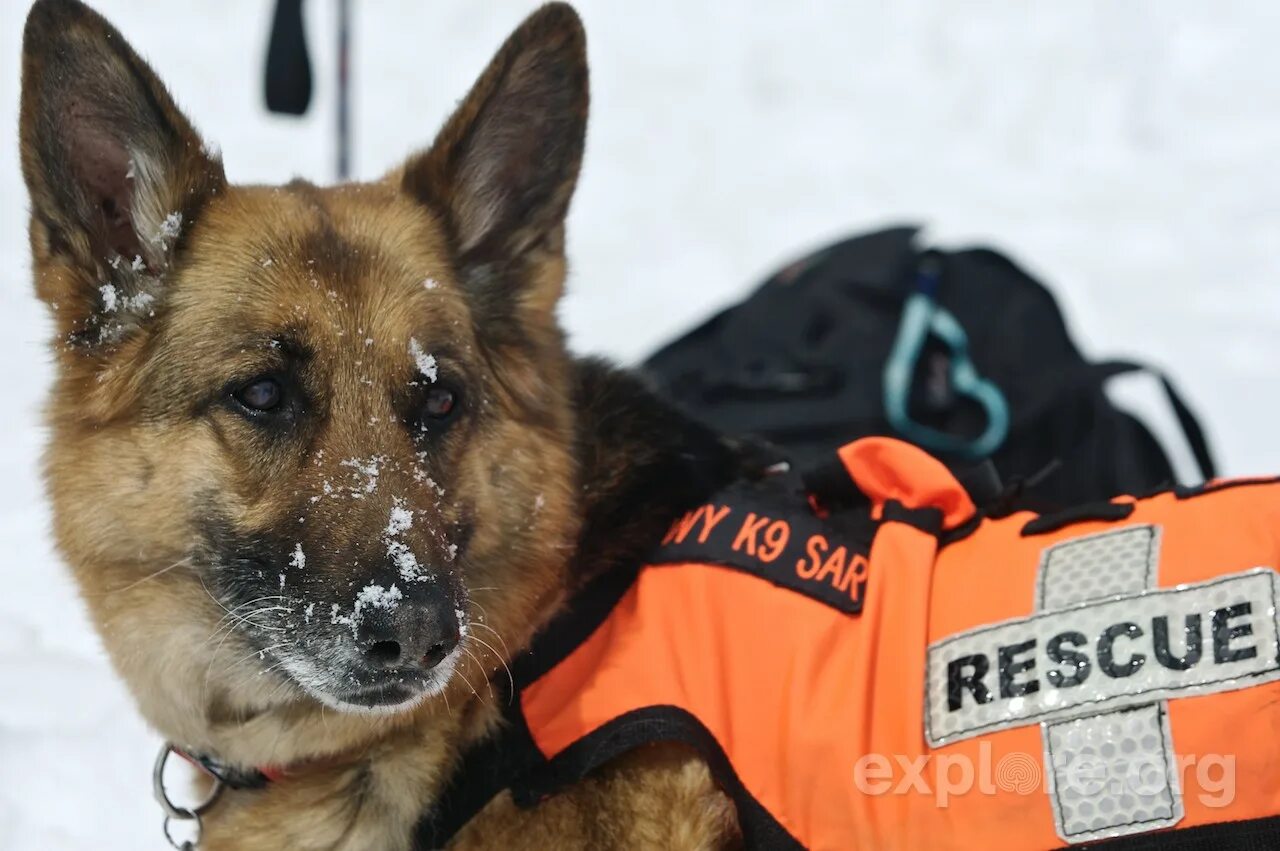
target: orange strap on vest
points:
(911, 675)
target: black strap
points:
(1187, 421)
(288, 72)
(484, 771)
(649, 725)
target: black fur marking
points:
(642, 463)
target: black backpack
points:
(960, 352)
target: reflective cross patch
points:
(1095, 664)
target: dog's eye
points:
(439, 404)
(261, 394)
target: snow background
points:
(1124, 152)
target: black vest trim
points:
(1107, 512)
(1261, 834)
(928, 520)
(648, 725)
(486, 769)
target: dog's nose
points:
(408, 636)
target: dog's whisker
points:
(239, 620)
(261, 599)
(253, 675)
(185, 562)
(218, 602)
(232, 666)
(230, 622)
(469, 685)
(236, 613)
(506, 650)
(230, 612)
(247, 679)
(259, 653)
(480, 665)
(510, 679)
(213, 657)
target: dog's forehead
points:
(352, 267)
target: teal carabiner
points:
(922, 316)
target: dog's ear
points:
(114, 170)
(503, 169)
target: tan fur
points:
(145, 449)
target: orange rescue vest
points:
(909, 673)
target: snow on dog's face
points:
(305, 442)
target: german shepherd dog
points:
(319, 459)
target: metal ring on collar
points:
(171, 809)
